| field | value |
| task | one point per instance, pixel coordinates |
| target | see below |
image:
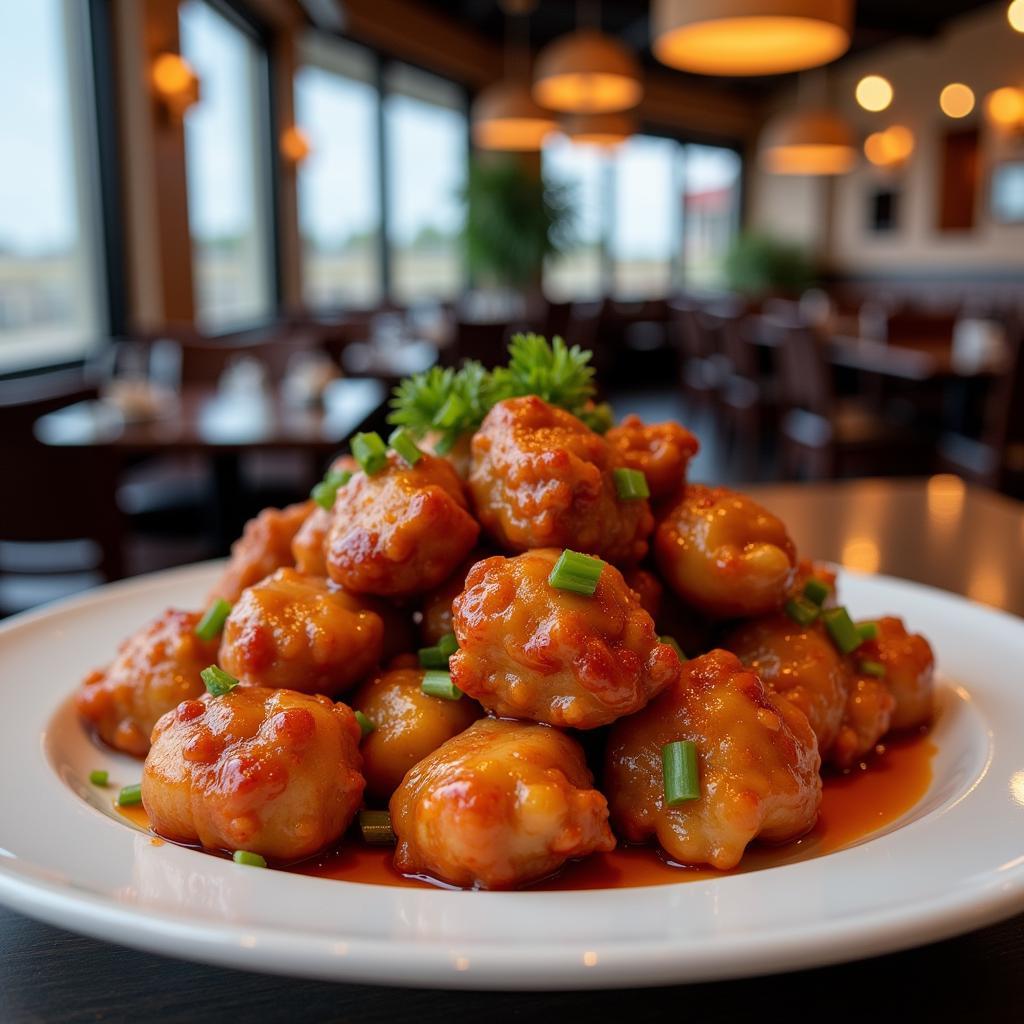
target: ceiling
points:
(877, 22)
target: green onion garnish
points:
(365, 725)
(327, 490)
(370, 452)
(376, 828)
(253, 860)
(842, 630)
(816, 592)
(212, 621)
(433, 657)
(576, 573)
(872, 668)
(679, 767)
(401, 440)
(99, 777)
(448, 645)
(439, 684)
(630, 484)
(218, 682)
(130, 795)
(801, 611)
(867, 631)
(674, 644)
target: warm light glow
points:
(294, 145)
(512, 134)
(809, 159)
(1015, 15)
(175, 82)
(945, 496)
(605, 130)
(861, 553)
(1017, 787)
(891, 147)
(874, 93)
(956, 100)
(807, 142)
(506, 118)
(749, 37)
(588, 93)
(1005, 107)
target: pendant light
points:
(604, 130)
(587, 72)
(504, 116)
(815, 142)
(749, 37)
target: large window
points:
(339, 197)
(578, 272)
(427, 147)
(225, 150)
(49, 259)
(711, 184)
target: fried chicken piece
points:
(866, 719)
(499, 805)
(661, 451)
(530, 650)
(757, 759)
(909, 670)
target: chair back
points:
(805, 377)
(203, 360)
(1005, 420)
(735, 344)
(486, 342)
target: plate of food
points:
(511, 703)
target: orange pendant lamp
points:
(749, 37)
(815, 142)
(587, 72)
(604, 130)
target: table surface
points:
(938, 531)
(203, 419)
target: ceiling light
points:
(874, 93)
(956, 100)
(891, 147)
(504, 116)
(749, 37)
(808, 142)
(1005, 107)
(1015, 15)
(605, 130)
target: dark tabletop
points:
(938, 532)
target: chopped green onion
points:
(327, 490)
(365, 725)
(445, 443)
(433, 657)
(439, 684)
(370, 452)
(872, 668)
(212, 621)
(218, 682)
(453, 410)
(448, 645)
(674, 644)
(630, 484)
(99, 777)
(801, 611)
(376, 828)
(130, 795)
(842, 630)
(253, 860)
(576, 573)
(816, 591)
(402, 442)
(867, 631)
(679, 767)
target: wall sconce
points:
(175, 83)
(294, 144)
(1005, 108)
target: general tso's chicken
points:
(401, 531)
(661, 451)
(806, 570)
(154, 671)
(866, 720)
(407, 725)
(542, 478)
(295, 632)
(499, 805)
(530, 650)
(272, 772)
(800, 663)
(724, 554)
(436, 608)
(909, 666)
(265, 545)
(647, 588)
(308, 544)
(757, 759)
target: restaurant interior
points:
(229, 228)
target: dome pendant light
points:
(605, 130)
(587, 72)
(504, 115)
(816, 142)
(749, 37)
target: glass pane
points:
(645, 229)
(48, 263)
(339, 202)
(576, 273)
(427, 154)
(227, 205)
(711, 193)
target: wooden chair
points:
(822, 436)
(701, 367)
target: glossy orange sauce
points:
(853, 806)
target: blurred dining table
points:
(937, 531)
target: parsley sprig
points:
(451, 403)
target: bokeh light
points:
(956, 100)
(1015, 15)
(1006, 106)
(874, 93)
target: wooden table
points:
(938, 532)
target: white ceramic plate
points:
(954, 862)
